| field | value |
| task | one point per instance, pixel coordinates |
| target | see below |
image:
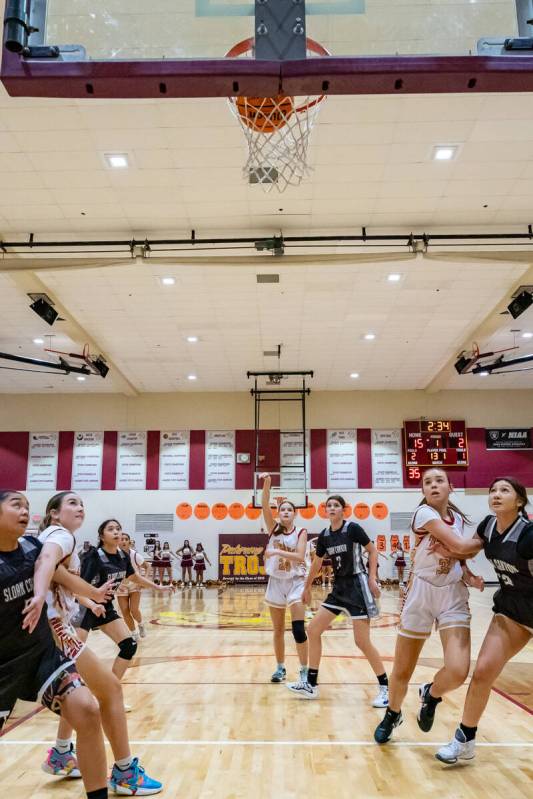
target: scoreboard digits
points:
(434, 443)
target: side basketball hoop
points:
(276, 129)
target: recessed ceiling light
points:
(354, 375)
(117, 160)
(168, 281)
(192, 339)
(81, 378)
(483, 374)
(444, 153)
(394, 277)
(191, 377)
(370, 336)
(527, 335)
(38, 340)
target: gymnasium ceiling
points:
(372, 166)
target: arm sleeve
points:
(524, 546)
(90, 567)
(320, 546)
(423, 515)
(482, 526)
(358, 535)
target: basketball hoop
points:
(276, 129)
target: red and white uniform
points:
(286, 578)
(128, 587)
(436, 593)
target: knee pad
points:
(127, 648)
(298, 631)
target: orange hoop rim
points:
(247, 45)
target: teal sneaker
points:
(280, 675)
(133, 781)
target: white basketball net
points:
(277, 138)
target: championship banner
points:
(42, 462)
(131, 461)
(174, 449)
(220, 459)
(508, 438)
(387, 471)
(240, 558)
(87, 461)
(342, 460)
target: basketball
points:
(265, 114)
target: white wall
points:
(124, 505)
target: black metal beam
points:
(61, 366)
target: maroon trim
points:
(65, 454)
(485, 465)
(269, 450)
(153, 440)
(109, 462)
(197, 460)
(14, 460)
(244, 472)
(364, 457)
(319, 459)
(224, 77)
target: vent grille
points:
(401, 522)
(270, 353)
(263, 278)
(154, 523)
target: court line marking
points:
(484, 744)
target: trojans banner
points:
(240, 558)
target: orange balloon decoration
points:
(309, 512)
(380, 510)
(361, 511)
(236, 510)
(219, 511)
(251, 512)
(184, 511)
(201, 511)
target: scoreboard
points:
(435, 443)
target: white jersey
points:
(282, 567)
(431, 567)
(60, 601)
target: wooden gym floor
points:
(207, 722)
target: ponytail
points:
(54, 503)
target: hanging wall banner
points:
(87, 461)
(240, 558)
(220, 459)
(294, 477)
(42, 462)
(342, 459)
(174, 460)
(515, 438)
(387, 469)
(131, 461)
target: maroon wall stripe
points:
(364, 457)
(319, 459)
(65, 455)
(109, 464)
(14, 460)
(153, 440)
(269, 450)
(486, 464)
(244, 472)
(197, 460)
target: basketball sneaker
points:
(383, 731)
(426, 714)
(382, 698)
(303, 690)
(62, 764)
(280, 675)
(133, 781)
(458, 749)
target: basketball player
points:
(285, 565)
(436, 594)
(507, 539)
(31, 666)
(108, 562)
(63, 517)
(353, 593)
(129, 593)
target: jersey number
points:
(338, 558)
(506, 580)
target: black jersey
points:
(16, 587)
(345, 548)
(511, 553)
(99, 566)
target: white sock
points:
(62, 745)
(124, 763)
(281, 665)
